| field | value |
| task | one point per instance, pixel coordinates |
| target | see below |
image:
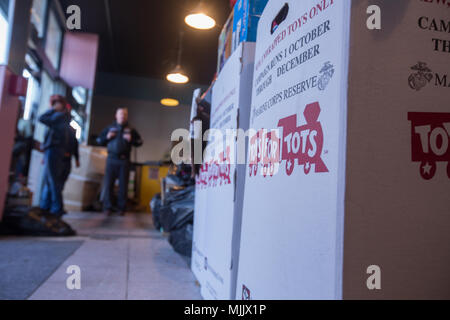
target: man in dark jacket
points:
(56, 141)
(119, 139)
(71, 151)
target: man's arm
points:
(51, 117)
(136, 140)
(102, 139)
(76, 151)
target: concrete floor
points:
(121, 258)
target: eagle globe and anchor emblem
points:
(421, 77)
(326, 73)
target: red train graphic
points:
(430, 135)
(300, 144)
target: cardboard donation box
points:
(198, 241)
(352, 129)
(84, 183)
(219, 193)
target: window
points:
(3, 38)
(53, 40)
(32, 97)
(38, 16)
(77, 128)
(80, 95)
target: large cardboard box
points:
(397, 200)
(80, 193)
(219, 193)
(198, 240)
(198, 261)
(361, 140)
(92, 163)
(84, 183)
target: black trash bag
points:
(174, 180)
(177, 215)
(35, 222)
(178, 209)
(181, 240)
(155, 206)
(184, 172)
(178, 195)
(180, 175)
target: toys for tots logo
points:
(430, 141)
(216, 172)
(300, 144)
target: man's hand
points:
(111, 134)
(127, 136)
(77, 163)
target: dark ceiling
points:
(143, 39)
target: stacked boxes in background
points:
(245, 21)
(241, 26)
(225, 43)
(84, 184)
(219, 189)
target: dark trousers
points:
(116, 169)
(51, 195)
(66, 168)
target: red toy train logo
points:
(430, 133)
(303, 144)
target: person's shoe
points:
(108, 212)
(122, 213)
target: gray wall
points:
(141, 96)
(154, 122)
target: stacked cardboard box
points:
(219, 191)
(84, 183)
(225, 43)
(241, 26)
(245, 20)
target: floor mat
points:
(26, 263)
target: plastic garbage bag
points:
(174, 180)
(180, 175)
(181, 240)
(35, 222)
(155, 206)
(177, 195)
(178, 209)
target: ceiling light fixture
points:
(199, 18)
(177, 75)
(200, 21)
(169, 102)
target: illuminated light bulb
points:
(200, 21)
(168, 102)
(177, 77)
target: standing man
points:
(56, 141)
(119, 139)
(71, 151)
